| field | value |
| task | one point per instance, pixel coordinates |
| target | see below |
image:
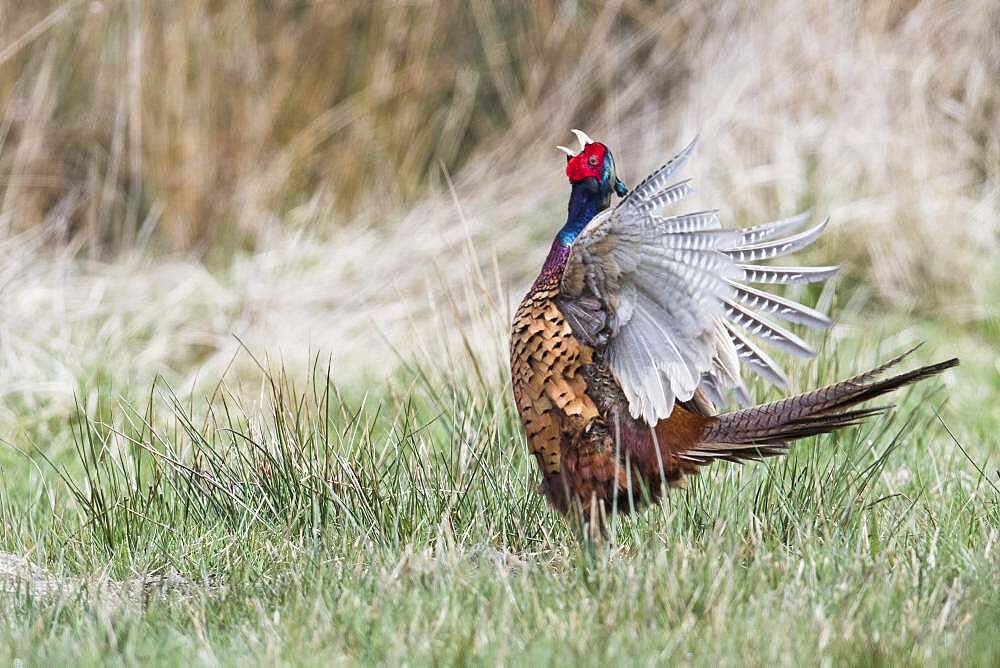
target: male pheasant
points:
(636, 329)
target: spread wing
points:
(668, 299)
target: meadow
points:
(259, 261)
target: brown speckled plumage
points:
(549, 389)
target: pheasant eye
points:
(592, 161)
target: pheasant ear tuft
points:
(582, 137)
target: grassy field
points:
(396, 522)
(254, 403)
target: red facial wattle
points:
(589, 162)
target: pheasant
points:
(637, 328)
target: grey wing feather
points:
(660, 177)
(587, 319)
(758, 233)
(785, 309)
(689, 222)
(666, 197)
(785, 275)
(769, 250)
(758, 360)
(773, 334)
(665, 297)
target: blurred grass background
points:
(225, 114)
(211, 120)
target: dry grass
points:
(208, 122)
(223, 115)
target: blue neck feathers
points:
(585, 202)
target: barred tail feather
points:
(766, 430)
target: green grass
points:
(307, 524)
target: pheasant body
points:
(576, 418)
(636, 327)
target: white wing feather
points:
(669, 294)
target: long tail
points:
(766, 430)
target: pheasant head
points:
(593, 165)
(591, 172)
